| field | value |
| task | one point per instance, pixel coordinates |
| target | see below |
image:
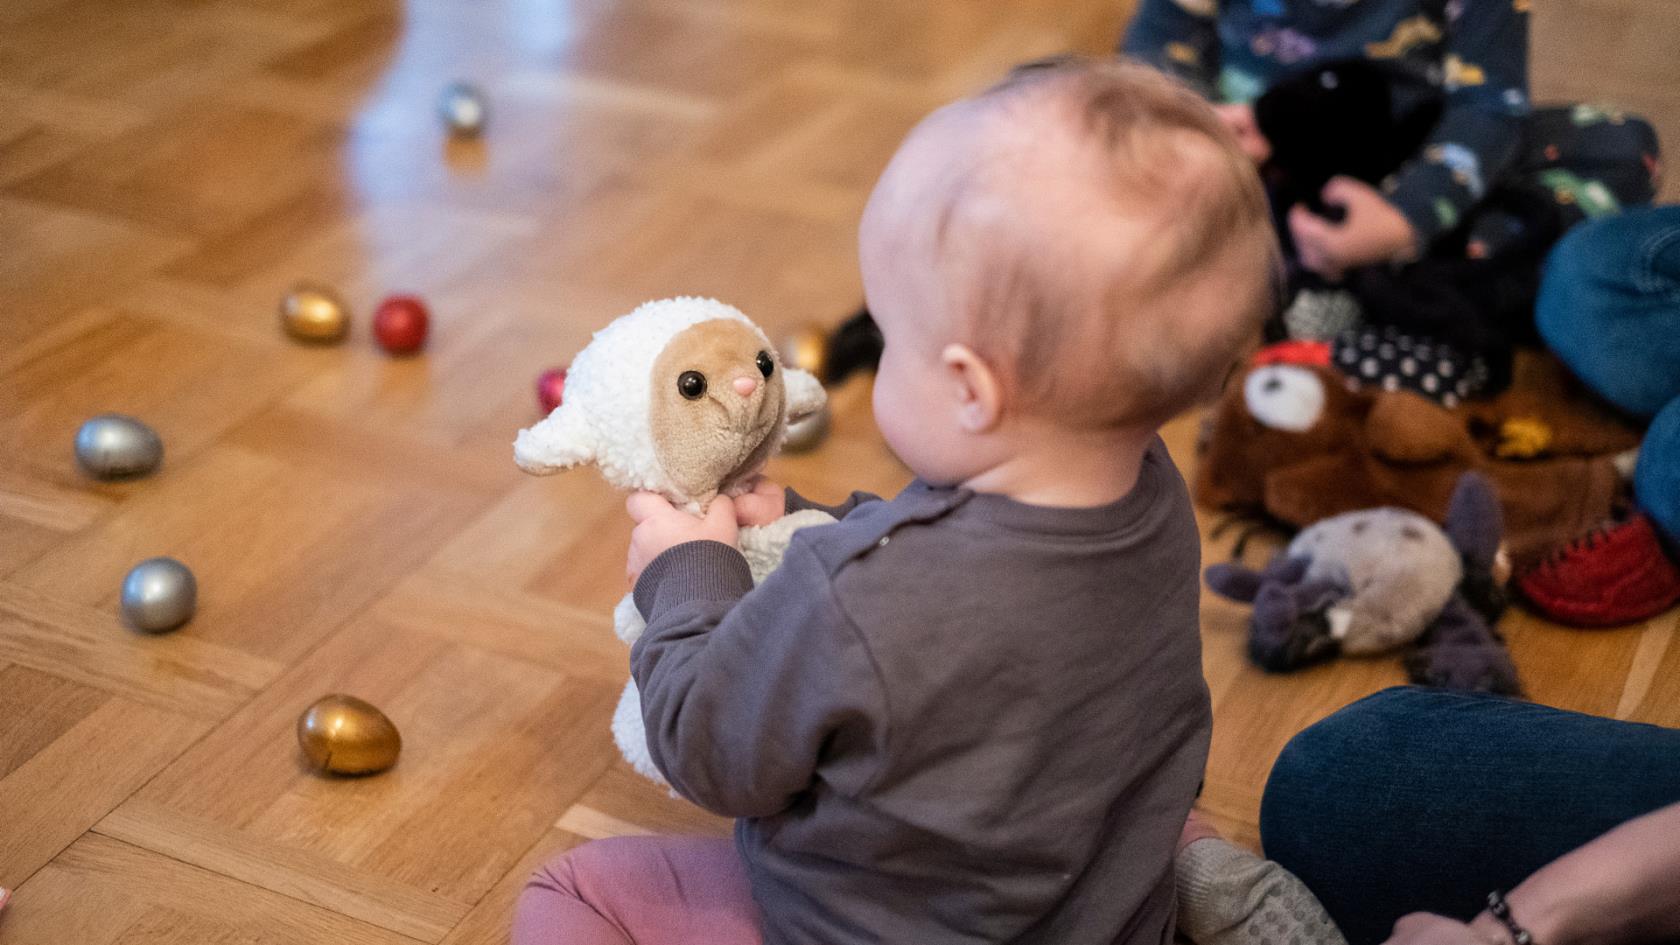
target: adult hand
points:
(1425, 928)
(1373, 230)
(766, 503)
(1240, 119)
(661, 526)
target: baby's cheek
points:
(887, 405)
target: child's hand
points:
(1373, 231)
(661, 526)
(1240, 119)
(764, 504)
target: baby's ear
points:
(562, 440)
(805, 394)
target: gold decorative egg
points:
(807, 350)
(345, 735)
(314, 313)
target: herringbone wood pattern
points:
(168, 167)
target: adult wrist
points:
(1501, 912)
(1544, 921)
(1488, 930)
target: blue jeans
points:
(1610, 307)
(1425, 800)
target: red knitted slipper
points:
(1613, 575)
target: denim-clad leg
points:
(1610, 307)
(1656, 480)
(1423, 800)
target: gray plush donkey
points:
(1379, 580)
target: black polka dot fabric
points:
(1387, 358)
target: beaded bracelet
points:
(1502, 911)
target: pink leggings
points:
(640, 891)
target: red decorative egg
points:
(400, 324)
(551, 384)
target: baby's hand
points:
(764, 504)
(661, 526)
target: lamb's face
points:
(717, 403)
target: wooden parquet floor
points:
(169, 167)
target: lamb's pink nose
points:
(745, 386)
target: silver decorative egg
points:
(808, 432)
(112, 446)
(158, 595)
(463, 109)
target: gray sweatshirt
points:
(948, 718)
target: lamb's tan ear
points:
(805, 394)
(560, 441)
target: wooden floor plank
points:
(178, 672)
(494, 749)
(301, 875)
(87, 769)
(102, 891)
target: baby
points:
(974, 712)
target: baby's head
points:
(1081, 247)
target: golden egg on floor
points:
(314, 313)
(342, 734)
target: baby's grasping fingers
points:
(764, 504)
(661, 526)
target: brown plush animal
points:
(1295, 443)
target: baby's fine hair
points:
(1132, 319)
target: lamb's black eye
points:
(692, 385)
(765, 365)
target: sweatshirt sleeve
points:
(1228, 896)
(1485, 75)
(798, 503)
(745, 690)
(1168, 36)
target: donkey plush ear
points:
(1233, 581)
(805, 394)
(560, 441)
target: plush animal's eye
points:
(692, 385)
(765, 365)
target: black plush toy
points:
(1348, 119)
(854, 346)
(1339, 118)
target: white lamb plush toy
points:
(685, 397)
